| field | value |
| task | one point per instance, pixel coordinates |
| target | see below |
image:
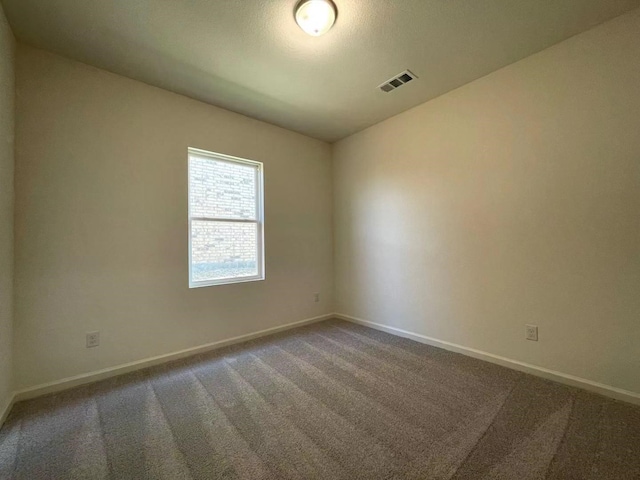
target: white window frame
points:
(259, 221)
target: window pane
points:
(222, 189)
(223, 250)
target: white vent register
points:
(397, 81)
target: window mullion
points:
(235, 220)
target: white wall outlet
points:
(531, 332)
(316, 297)
(93, 339)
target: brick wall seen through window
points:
(225, 219)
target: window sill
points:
(226, 281)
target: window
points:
(225, 219)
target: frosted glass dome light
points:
(316, 17)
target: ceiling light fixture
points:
(315, 17)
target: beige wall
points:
(512, 200)
(101, 221)
(7, 55)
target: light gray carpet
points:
(328, 401)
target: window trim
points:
(259, 221)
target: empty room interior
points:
(320, 239)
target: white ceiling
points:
(249, 56)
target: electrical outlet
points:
(531, 332)
(93, 339)
(316, 297)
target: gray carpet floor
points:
(328, 401)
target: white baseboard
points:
(571, 380)
(90, 377)
(4, 413)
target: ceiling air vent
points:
(397, 81)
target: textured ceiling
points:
(249, 56)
